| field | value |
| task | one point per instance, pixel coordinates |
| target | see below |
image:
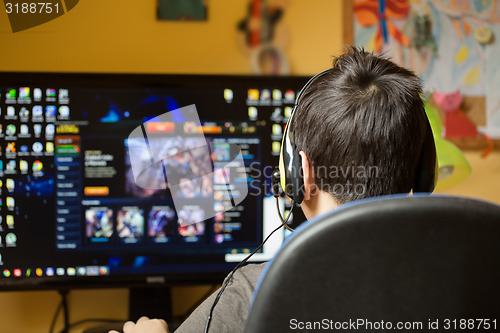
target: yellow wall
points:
(124, 36)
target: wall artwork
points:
(182, 10)
(263, 37)
(452, 44)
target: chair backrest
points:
(389, 260)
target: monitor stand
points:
(153, 302)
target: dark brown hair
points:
(362, 125)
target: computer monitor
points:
(73, 209)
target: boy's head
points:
(363, 126)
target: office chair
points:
(388, 260)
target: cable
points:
(54, 319)
(230, 276)
(275, 177)
(64, 306)
(285, 224)
(186, 314)
(64, 293)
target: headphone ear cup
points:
(297, 178)
(427, 171)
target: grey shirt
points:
(231, 311)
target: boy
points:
(361, 130)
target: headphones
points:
(289, 175)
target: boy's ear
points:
(310, 187)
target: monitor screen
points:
(118, 179)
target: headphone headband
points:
(308, 83)
(290, 164)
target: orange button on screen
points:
(96, 191)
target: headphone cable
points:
(230, 276)
(283, 222)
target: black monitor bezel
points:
(130, 80)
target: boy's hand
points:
(144, 324)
